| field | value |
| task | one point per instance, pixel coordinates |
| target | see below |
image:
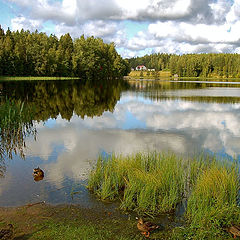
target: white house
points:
(141, 67)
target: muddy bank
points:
(43, 221)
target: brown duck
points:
(6, 233)
(146, 227)
(38, 174)
(234, 230)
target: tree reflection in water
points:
(15, 125)
(164, 90)
(24, 103)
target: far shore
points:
(185, 79)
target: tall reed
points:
(155, 183)
(150, 182)
(213, 203)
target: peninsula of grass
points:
(149, 74)
(157, 183)
(166, 75)
(30, 78)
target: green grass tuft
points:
(156, 183)
(213, 205)
(152, 183)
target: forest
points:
(25, 53)
(220, 65)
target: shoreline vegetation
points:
(146, 185)
(31, 78)
(25, 53)
(28, 55)
(157, 183)
(206, 65)
(166, 75)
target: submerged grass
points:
(156, 183)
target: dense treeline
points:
(193, 65)
(37, 54)
(158, 61)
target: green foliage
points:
(152, 183)
(213, 205)
(221, 65)
(83, 229)
(155, 183)
(36, 54)
(158, 61)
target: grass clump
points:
(155, 183)
(150, 183)
(213, 204)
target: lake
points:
(72, 122)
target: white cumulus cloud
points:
(174, 26)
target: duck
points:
(6, 233)
(146, 227)
(38, 174)
(234, 230)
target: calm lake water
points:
(73, 122)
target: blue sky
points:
(137, 27)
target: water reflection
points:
(23, 103)
(52, 98)
(194, 91)
(15, 126)
(184, 119)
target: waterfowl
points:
(6, 233)
(38, 174)
(38, 178)
(146, 227)
(234, 230)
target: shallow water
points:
(75, 122)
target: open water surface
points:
(73, 122)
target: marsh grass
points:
(152, 183)
(15, 125)
(155, 183)
(213, 203)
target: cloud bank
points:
(176, 26)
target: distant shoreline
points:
(186, 79)
(30, 78)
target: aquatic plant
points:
(155, 183)
(152, 182)
(15, 125)
(213, 204)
